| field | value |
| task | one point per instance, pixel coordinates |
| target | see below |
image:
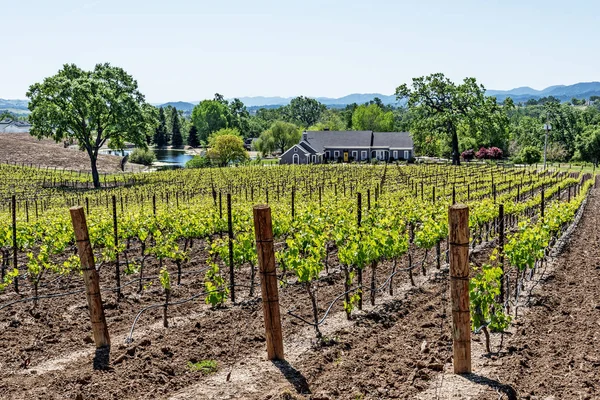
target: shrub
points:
(142, 156)
(468, 155)
(482, 153)
(530, 155)
(495, 153)
(198, 162)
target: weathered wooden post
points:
(14, 241)
(542, 205)
(293, 202)
(92, 288)
(501, 249)
(359, 271)
(458, 224)
(263, 230)
(116, 241)
(230, 243)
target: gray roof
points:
(307, 148)
(10, 126)
(401, 140)
(322, 139)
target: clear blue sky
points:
(189, 49)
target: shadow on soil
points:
(293, 376)
(507, 390)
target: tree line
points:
(104, 107)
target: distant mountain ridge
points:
(582, 90)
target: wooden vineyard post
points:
(501, 248)
(92, 288)
(263, 229)
(458, 224)
(116, 241)
(230, 240)
(293, 202)
(14, 241)
(359, 272)
(542, 203)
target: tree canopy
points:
(441, 106)
(227, 148)
(304, 111)
(372, 117)
(92, 107)
(281, 135)
(209, 116)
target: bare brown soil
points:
(23, 148)
(554, 351)
(398, 349)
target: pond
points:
(166, 158)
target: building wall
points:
(288, 156)
(362, 153)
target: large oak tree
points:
(440, 105)
(92, 107)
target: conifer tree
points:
(160, 135)
(193, 139)
(176, 139)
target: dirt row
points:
(401, 348)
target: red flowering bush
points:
(495, 153)
(468, 155)
(482, 153)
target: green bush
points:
(198, 162)
(530, 155)
(142, 156)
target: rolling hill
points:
(582, 90)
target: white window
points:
(336, 154)
(295, 149)
(363, 155)
(406, 154)
(295, 159)
(355, 155)
(395, 153)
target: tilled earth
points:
(23, 148)
(396, 349)
(554, 351)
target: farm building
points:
(319, 146)
(10, 126)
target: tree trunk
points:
(95, 176)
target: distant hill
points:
(180, 105)
(582, 90)
(358, 98)
(18, 107)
